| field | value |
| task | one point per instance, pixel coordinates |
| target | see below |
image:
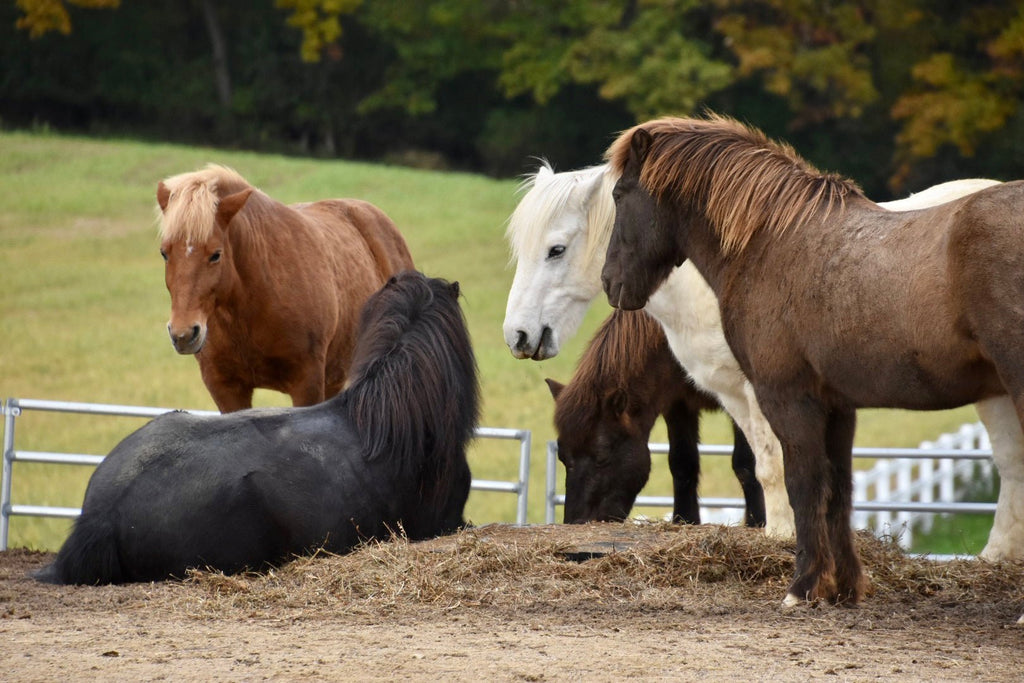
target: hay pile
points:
(653, 566)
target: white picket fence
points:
(921, 480)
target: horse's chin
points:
(544, 353)
(188, 350)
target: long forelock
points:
(601, 218)
(544, 198)
(743, 181)
(192, 204)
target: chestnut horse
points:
(830, 303)
(268, 295)
(626, 377)
(257, 487)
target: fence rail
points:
(14, 407)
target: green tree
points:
(644, 53)
(42, 16)
(967, 87)
(320, 23)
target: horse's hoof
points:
(791, 601)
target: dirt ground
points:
(600, 602)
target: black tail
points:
(89, 556)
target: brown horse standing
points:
(268, 295)
(831, 303)
(627, 377)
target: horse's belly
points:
(910, 381)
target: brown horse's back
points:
(366, 249)
(379, 232)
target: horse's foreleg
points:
(771, 472)
(839, 449)
(800, 423)
(683, 424)
(228, 392)
(1006, 539)
(744, 466)
(742, 407)
(309, 389)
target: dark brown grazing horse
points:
(627, 377)
(268, 295)
(831, 303)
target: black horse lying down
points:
(257, 487)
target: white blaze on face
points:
(189, 249)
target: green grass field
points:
(83, 307)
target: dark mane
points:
(617, 354)
(743, 181)
(414, 387)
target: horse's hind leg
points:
(1006, 540)
(683, 424)
(744, 466)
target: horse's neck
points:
(703, 248)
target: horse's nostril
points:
(521, 340)
(195, 332)
(545, 336)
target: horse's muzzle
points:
(523, 346)
(189, 340)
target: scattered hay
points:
(645, 566)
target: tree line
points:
(897, 94)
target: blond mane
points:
(545, 194)
(192, 205)
(743, 181)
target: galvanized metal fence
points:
(14, 407)
(914, 483)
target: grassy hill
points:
(83, 306)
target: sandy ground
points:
(715, 631)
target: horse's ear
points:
(555, 387)
(593, 184)
(640, 144)
(163, 195)
(617, 401)
(455, 289)
(231, 205)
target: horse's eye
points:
(215, 256)
(556, 251)
(164, 254)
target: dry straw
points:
(643, 566)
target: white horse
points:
(559, 234)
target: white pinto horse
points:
(559, 234)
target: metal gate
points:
(13, 408)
